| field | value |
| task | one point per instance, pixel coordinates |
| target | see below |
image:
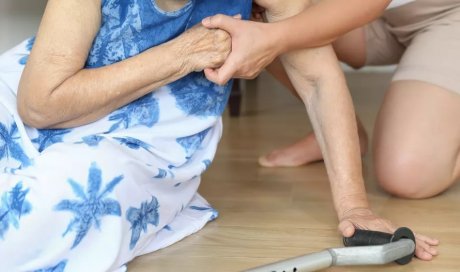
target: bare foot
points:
(304, 151)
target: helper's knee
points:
(408, 176)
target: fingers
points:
(223, 22)
(346, 228)
(426, 247)
(428, 240)
(211, 74)
(216, 76)
(221, 75)
(424, 251)
(432, 250)
(423, 255)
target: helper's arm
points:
(57, 91)
(255, 45)
(324, 21)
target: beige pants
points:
(423, 37)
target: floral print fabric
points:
(94, 197)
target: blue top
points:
(179, 124)
(133, 26)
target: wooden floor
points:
(271, 214)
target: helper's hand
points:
(199, 48)
(426, 247)
(253, 48)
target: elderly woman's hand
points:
(201, 48)
(361, 218)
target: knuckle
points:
(222, 59)
(223, 35)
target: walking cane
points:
(363, 248)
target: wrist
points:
(355, 211)
(277, 38)
(182, 56)
(351, 203)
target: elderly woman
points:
(105, 132)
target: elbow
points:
(35, 113)
(33, 118)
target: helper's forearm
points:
(320, 83)
(324, 21)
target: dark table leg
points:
(235, 99)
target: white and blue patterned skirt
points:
(94, 197)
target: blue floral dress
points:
(94, 197)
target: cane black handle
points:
(374, 238)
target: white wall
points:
(19, 20)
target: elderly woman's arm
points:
(56, 91)
(317, 77)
